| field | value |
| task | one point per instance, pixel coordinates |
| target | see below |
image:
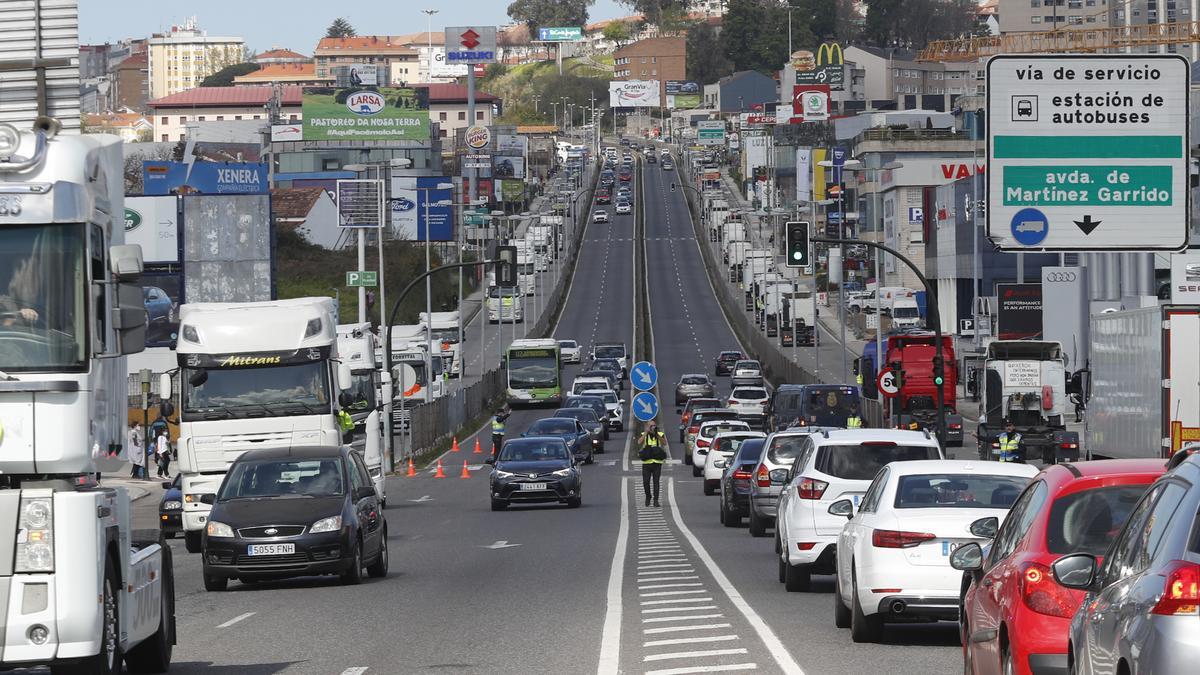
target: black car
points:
(170, 509)
(593, 403)
(736, 482)
(570, 430)
(611, 366)
(535, 469)
(293, 512)
(725, 361)
(590, 421)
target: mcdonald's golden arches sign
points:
(824, 68)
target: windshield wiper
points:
(260, 406)
(307, 407)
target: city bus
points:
(534, 372)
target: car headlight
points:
(35, 538)
(216, 529)
(172, 505)
(330, 524)
(563, 472)
(497, 473)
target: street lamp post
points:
(847, 165)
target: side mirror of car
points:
(209, 499)
(167, 485)
(842, 507)
(1076, 571)
(679, 411)
(489, 460)
(364, 493)
(985, 528)
(967, 558)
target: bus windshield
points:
(533, 369)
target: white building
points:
(180, 59)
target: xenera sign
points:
(471, 44)
(1088, 152)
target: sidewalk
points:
(137, 488)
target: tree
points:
(913, 23)
(224, 77)
(549, 13)
(652, 10)
(340, 28)
(706, 62)
(755, 34)
(616, 31)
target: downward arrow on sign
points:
(1087, 224)
(644, 377)
(646, 407)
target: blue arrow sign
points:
(644, 375)
(645, 406)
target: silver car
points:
(747, 373)
(1140, 614)
(782, 449)
(693, 385)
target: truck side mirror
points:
(125, 262)
(129, 317)
(345, 377)
(164, 386)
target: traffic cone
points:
(440, 473)
(412, 470)
(454, 447)
(478, 450)
(465, 472)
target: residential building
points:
(279, 55)
(302, 74)
(171, 114)
(93, 61)
(180, 59)
(741, 91)
(448, 108)
(706, 8)
(593, 33)
(308, 211)
(130, 126)
(1022, 16)
(401, 61)
(660, 59)
(130, 83)
(894, 79)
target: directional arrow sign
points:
(1087, 224)
(644, 375)
(645, 406)
(503, 543)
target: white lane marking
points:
(673, 601)
(610, 640)
(653, 586)
(657, 568)
(358, 670)
(690, 640)
(691, 608)
(236, 619)
(772, 643)
(682, 617)
(693, 655)
(680, 629)
(704, 669)
(681, 578)
(664, 593)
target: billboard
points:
(811, 102)
(220, 178)
(470, 44)
(508, 166)
(381, 114)
(511, 190)
(443, 69)
(512, 144)
(162, 293)
(413, 199)
(153, 224)
(227, 248)
(682, 94)
(827, 67)
(566, 34)
(1019, 311)
(356, 75)
(803, 175)
(633, 94)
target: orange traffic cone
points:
(454, 447)
(412, 470)
(465, 473)
(478, 450)
(440, 473)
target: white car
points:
(582, 385)
(569, 351)
(614, 404)
(600, 216)
(747, 373)
(624, 207)
(893, 556)
(704, 439)
(750, 403)
(720, 452)
(837, 465)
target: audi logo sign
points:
(1059, 277)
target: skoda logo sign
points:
(1059, 277)
(132, 220)
(365, 103)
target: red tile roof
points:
(225, 97)
(273, 72)
(365, 43)
(294, 203)
(278, 54)
(454, 93)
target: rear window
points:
(610, 352)
(751, 451)
(730, 356)
(750, 393)
(958, 491)
(568, 344)
(713, 430)
(785, 449)
(730, 443)
(828, 406)
(750, 365)
(695, 379)
(1087, 522)
(702, 417)
(862, 462)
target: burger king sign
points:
(478, 137)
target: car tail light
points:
(693, 430)
(811, 488)
(1044, 595)
(742, 474)
(702, 442)
(899, 538)
(1047, 397)
(955, 427)
(1068, 446)
(1181, 594)
(762, 476)
(878, 444)
(805, 545)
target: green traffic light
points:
(938, 381)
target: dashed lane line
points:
(236, 619)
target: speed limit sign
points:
(887, 384)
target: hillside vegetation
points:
(582, 78)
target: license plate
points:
(271, 549)
(533, 486)
(949, 547)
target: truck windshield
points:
(42, 298)
(906, 313)
(445, 335)
(273, 391)
(362, 391)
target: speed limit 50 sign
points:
(887, 384)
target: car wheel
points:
(863, 628)
(709, 490)
(590, 459)
(778, 541)
(758, 528)
(721, 510)
(798, 578)
(680, 436)
(841, 613)
(696, 471)
(215, 584)
(687, 459)
(191, 541)
(575, 502)
(728, 517)
(353, 576)
(499, 505)
(168, 535)
(781, 568)
(379, 568)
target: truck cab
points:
(1025, 382)
(911, 357)
(444, 327)
(365, 401)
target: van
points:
(823, 405)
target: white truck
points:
(505, 305)
(81, 592)
(416, 385)
(369, 390)
(1025, 382)
(251, 375)
(775, 294)
(1144, 369)
(526, 272)
(444, 327)
(800, 308)
(904, 311)
(735, 252)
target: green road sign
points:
(363, 279)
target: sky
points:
(298, 25)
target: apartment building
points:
(181, 58)
(661, 59)
(401, 61)
(894, 78)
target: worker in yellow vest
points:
(853, 421)
(1010, 443)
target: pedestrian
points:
(162, 452)
(652, 450)
(137, 451)
(498, 421)
(1010, 443)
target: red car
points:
(1015, 616)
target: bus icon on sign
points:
(1024, 108)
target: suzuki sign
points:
(471, 44)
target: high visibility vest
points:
(859, 379)
(345, 421)
(1009, 446)
(653, 441)
(497, 426)
(854, 422)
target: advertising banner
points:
(682, 94)
(209, 178)
(443, 69)
(470, 44)
(511, 190)
(1185, 278)
(162, 295)
(508, 166)
(356, 75)
(512, 144)
(287, 132)
(565, 34)
(1019, 314)
(633, 94)
(803, 175)
(826, 68)
(153, 224)
(384, 114)
(811, 102)
(411, 198)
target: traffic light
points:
(798, 251)
(506, 266)
(939, 365)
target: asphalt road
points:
(614, 586)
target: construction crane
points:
(1079, 41)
